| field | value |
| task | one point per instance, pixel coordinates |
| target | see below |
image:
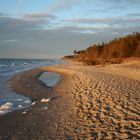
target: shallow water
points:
(50, 78)
(10, 100)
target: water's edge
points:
(10, 100)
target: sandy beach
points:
(89, 102)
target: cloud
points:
(26, 22)
(94, 5)
(24, 29)
(130, 1)
(8, 24)
(97, 29)
(133, 15)
(3, 14)
(64, 4)
(26, 36)
(38, 16)
(12, 29)
(8, 41)
(89, 20)
(111, 21)
(77, 29)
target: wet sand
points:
(89, 102)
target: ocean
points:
(9, 100)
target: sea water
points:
(10, 100)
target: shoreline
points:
(38, 113)
(27, 83)
(88, 102)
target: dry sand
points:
(90, 102)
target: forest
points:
(111, 52)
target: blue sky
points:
(54, 28)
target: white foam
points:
(18, 99)
(24, 112)
(27, 101)
(20, 106)
(13, 64)
(25, 63)
(5, 108)
(45, 100)
(33, 103)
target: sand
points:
(90, 102)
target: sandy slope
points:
(90, 102)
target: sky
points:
(54, 28)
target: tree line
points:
(117, 49)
